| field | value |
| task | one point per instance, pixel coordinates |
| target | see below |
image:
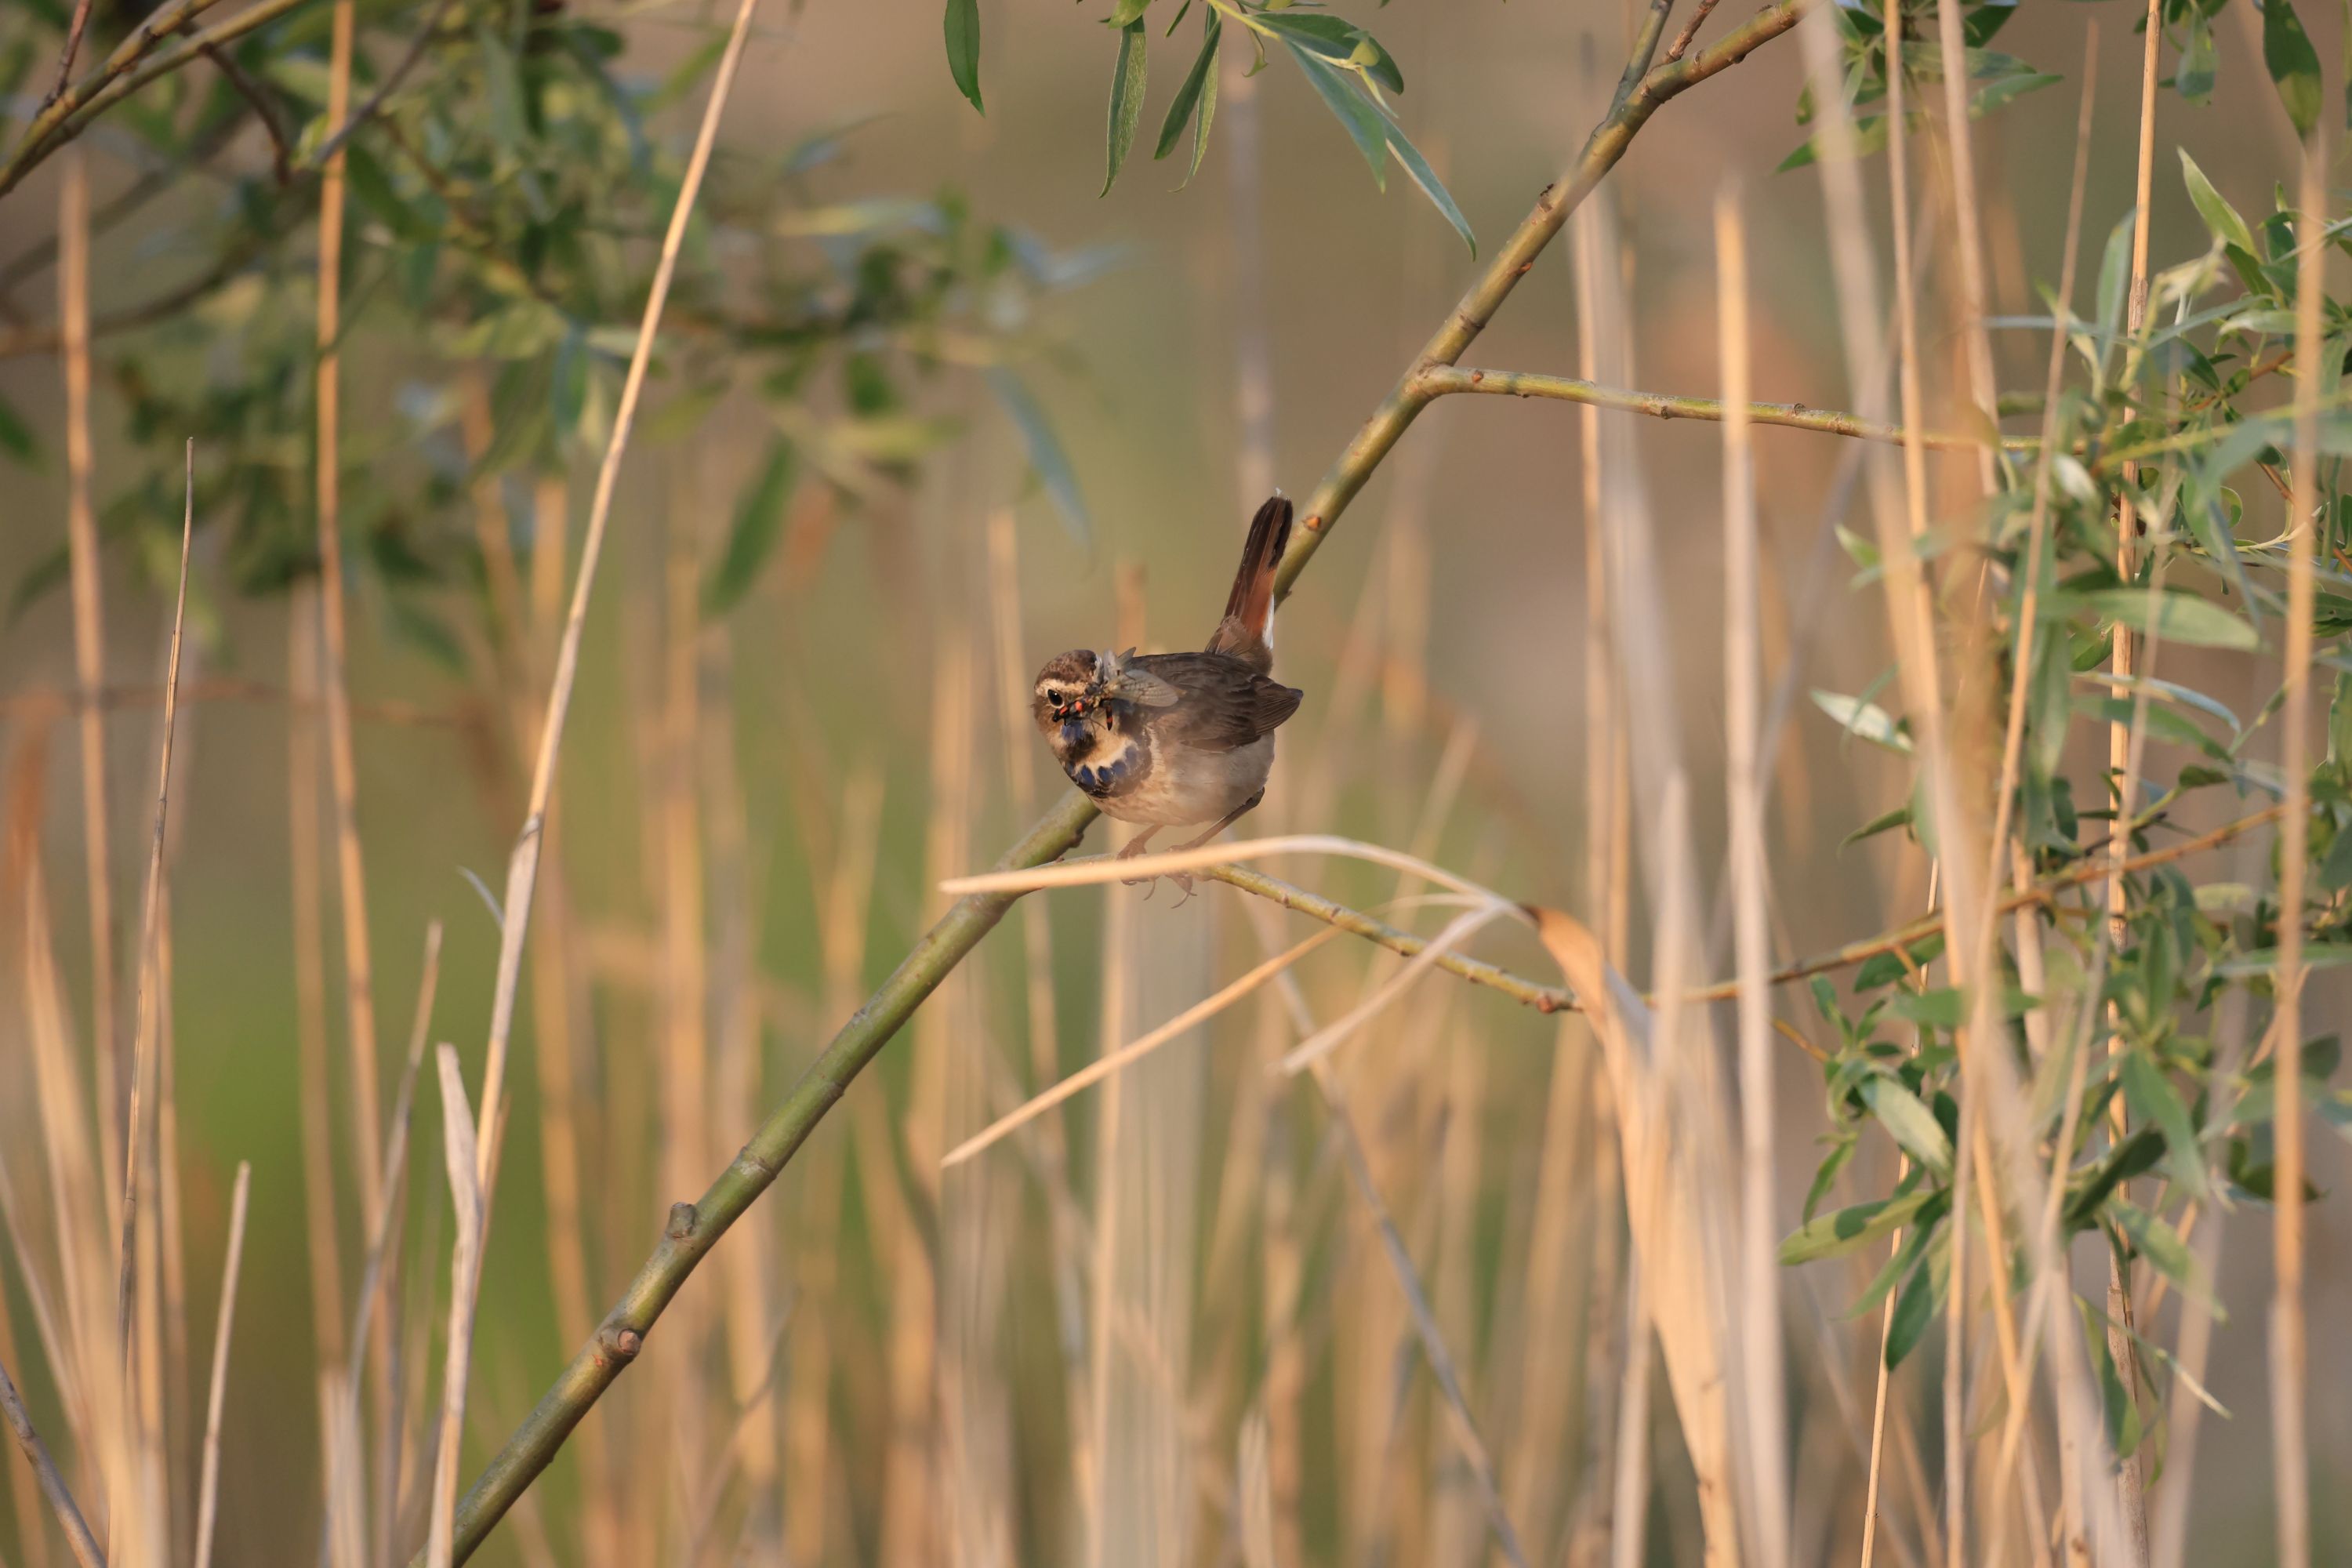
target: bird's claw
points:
(1182, 880)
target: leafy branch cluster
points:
(508, 199)
(2181, 423)
(1349, 69)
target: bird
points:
(1167, 739)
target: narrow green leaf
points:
(2220, 216)
(2162, 1245)
(2175, 618)
(1188, 92)
(1045, 454)
(759, 523)
(1897, 1268)
(1208, 113)
(1900, 817)
(963, 48)
(2194, 77)
(2115, 275)
(1866, 719)
(15, 436)
(2294, 63)
(1842, 1230)
(2152, 1095)
(1907, 1120)
(1915, 1309)
(1431, 185)
(1364, 125)
(1127, 76)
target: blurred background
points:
(884, 1363)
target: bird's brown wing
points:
(1223, 704)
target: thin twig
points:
(385, 89)
(149, 1002)
(1440, 381)
(53, 1485)
(208, 1488)
(1684, 39)
(74, 30)
(281, 158)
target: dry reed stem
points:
(1878, 1403)
(53, 1485)
(1921, 657)
(1973, 1172)
(83, 1356)
(89, 646)
(460, 1155)
(2037, 528)
(150, 1003)
(1608, 858)
(382, 1226)
(1969, 237)
(2130, 1481)
(342, 770)
(2289, 1355)
(1763, 1380)
(208, 1488)
(522, 867)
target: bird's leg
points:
(1133, 848)
(1223, 821)
(1183, 880)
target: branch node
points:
(682, 1221)
(618, 1347)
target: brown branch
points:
(390, 85)
(74, 30)
(1690, 30)
(281, 162)
(49, 339)
(1443, 380)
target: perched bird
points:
(1172, 738)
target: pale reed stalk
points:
(2289, 1353)
(208, 1488)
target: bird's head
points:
(1068, 703)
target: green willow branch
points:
(1512, 262)
(127, 69)
(1443, 380)
(696, 1228)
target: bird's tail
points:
(1249, 608)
